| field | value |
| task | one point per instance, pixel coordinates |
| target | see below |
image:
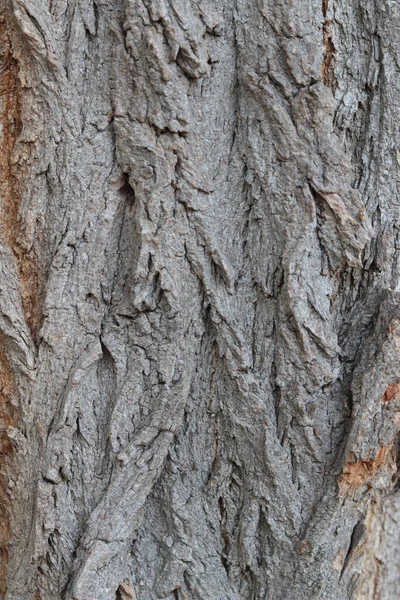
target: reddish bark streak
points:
(10, 189)
(357, 473)
(10, 126)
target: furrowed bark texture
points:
(199, 305)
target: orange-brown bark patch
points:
(328, 75)
(125, 592)
(10, 188)
(358, 473)
(392, 393)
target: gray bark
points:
(199, 305)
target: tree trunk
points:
(199, 315)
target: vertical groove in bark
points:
(328, 75)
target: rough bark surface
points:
(199, 299)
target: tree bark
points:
(199, 305)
